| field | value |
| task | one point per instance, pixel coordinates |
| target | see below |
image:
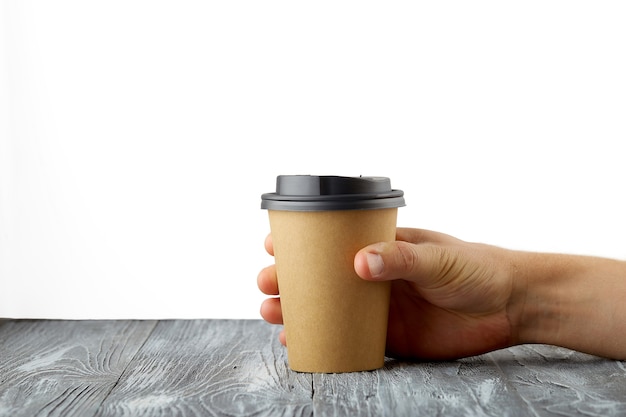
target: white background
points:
(136, 137)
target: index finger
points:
(423, 236)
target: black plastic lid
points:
(322, 193)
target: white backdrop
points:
(136, 137)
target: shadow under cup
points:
(334, 321)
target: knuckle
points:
(407, 257)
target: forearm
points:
(576, 302)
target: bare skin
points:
(452, 299)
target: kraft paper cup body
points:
(334, 321)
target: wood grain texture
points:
(556, 381)
(205, 368)
(58, 368)
(520, 381)
(238, 368)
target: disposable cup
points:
(334, 321)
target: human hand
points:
(268, 284)
(449, 298)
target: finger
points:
(282, 338)
(271, 311)
(269, 244)
(421, 264)
(267, 282)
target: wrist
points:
(569, 301)
(535, 308)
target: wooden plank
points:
(557, 381)
(51, 368)
(521, 381)
(469, 387)
(210, 367)
(237, 367)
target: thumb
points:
(398, 260)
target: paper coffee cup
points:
(334, 321)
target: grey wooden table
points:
(238, 368)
